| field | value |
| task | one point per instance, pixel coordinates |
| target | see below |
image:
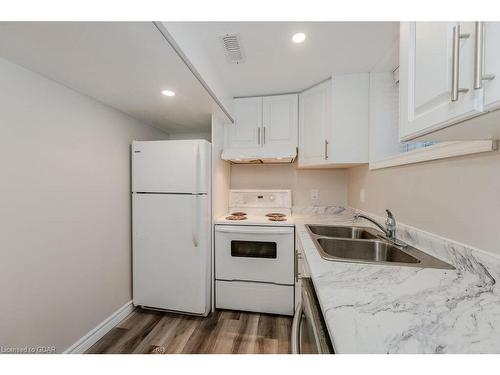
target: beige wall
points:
(331, 183)
(65, 244)
(457, 198)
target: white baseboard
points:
(100, 330)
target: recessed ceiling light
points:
(168, 93)
(299, 37)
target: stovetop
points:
(259, 207)
(255, 220)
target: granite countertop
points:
(392, 309)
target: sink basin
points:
(371, 251)
(366, 245)
(343, 231)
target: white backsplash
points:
(321, 210)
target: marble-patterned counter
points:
(391, 309)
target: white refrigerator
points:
(171, 221)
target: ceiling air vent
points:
(232, 48)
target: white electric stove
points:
(254, 253)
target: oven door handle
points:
(295, 339)
(251, 230)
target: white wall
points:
(206, 136)
(220, 169)
(331, 183)
(65, 210)
(384, 121)
(384, 107)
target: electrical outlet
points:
(314, 195)
(362, 195)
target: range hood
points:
(259, 156)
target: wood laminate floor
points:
(222, 332)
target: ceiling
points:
(125, 65)
(274, 64)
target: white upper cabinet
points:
(427, 77)
(279, 121)
(439, 96)
(333, 122)
(314, 124)
(245, 132)
(491, 65)
(265, 130)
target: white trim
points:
(438, 151)
(100, 330)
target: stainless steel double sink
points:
(367, 245)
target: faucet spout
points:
(390, 224)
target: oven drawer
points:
(253, 253)
(257, 297)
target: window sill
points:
(437, 151)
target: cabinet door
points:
(426, 77)
(491, 65)
(314, 122)
(280, 122)
(245, 132)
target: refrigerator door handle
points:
(196, 169)
(194, 224)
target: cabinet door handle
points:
(258, 135)
(326, 149)
(455, 67)
(296, 266)
(264, 135)
(479, 77)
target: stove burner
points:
(275, 214)
(238, 213)
(236, 217)
(277, 218)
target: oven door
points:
(254, 253)
(309, 332)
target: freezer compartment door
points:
(171, 252)
(171, 166)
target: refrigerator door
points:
(171, 252)
(171, 166)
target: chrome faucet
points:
(390, 224)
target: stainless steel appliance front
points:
(309, 332)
